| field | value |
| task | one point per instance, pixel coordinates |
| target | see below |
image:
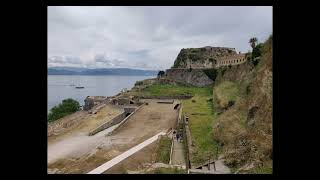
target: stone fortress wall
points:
(208, 57)
(231, 60)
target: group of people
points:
(177, 136)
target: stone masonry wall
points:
(195, 77)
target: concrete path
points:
(178, 153)
(124, 155)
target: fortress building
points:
(208, 57)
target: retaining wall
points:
(114, 121)
(167, 97)
(125, 119)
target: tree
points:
(68, 106)
(160, 74)
(253, 42)
(257, 50)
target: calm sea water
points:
(59, 86)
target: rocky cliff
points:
(201, 57)
(195, 77)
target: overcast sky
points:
(147, 37)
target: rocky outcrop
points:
(195, 77)
(205, 57)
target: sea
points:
(63, 86)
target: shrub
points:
(68, 106)
(138, 83)
(256, 52)
(211, 73)
(223, 70)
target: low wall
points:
(167, 97)
(166, 101)
(187, 142)
(125, 119)
(114, 121)
(108, 124)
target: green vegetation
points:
(180, 58)
(265, 169)
(253, 42)
(222, 69)
(167, 171)
(226, 92)
(138, 83)
(256, 52)
(68, 106)
(193, 54)
(173, 90)
(163, 150)
(211, 73)
(200, 112)
(235, 125)
(201, 117)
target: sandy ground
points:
(98, 149)
(74, 141)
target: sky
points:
(148, 37)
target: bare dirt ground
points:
(148, 121)
(74, 141)
(145, 123)
(137, 162)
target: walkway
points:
(178, 153)
(124, 155)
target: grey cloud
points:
(148, 37)
(64, 59)
(107, 62)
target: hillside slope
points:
(242, 96)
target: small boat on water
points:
(79, 87)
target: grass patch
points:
(163, 150)
(265, 169)
(225, 92)
(200, 112)
(201, 116)
(174, 90)
(167, 171)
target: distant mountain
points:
(100, 71)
